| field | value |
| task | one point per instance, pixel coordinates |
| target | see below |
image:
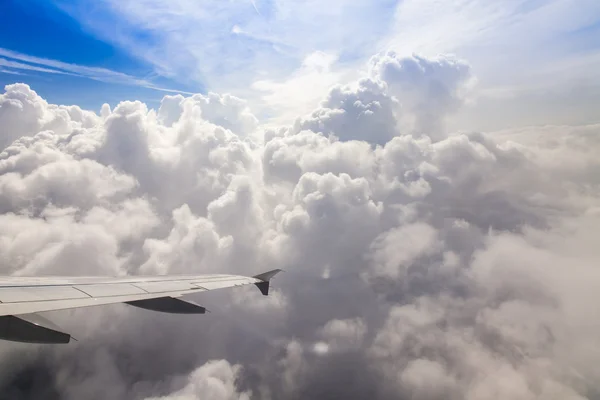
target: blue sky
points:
(40, 29)
(283, 55)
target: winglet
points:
(265, 277)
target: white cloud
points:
(429, 89)
(16, 66)
(344, 335)
(17, 62)
(396, 250)
(300, 92)
(272, 41)
(522, 333)
(24, 113)
(508, 44)
(465, 261)
(57, 245)
(214, 380)
(418, 376)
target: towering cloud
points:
(420, 264)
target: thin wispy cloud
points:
(17, 62)
(10, 71)
(255, 8)
(16, 66)
(497, 35)
(227, 45)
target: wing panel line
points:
(131, 282)
(134, 285)
(76, 288)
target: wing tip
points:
(266, 277)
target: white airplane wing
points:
(22, 297)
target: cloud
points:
(401, 95)
(215, 380)
(397, 249)
(24, 113)
(342, 335)
(509, 337)
(16, 66)
(300, 92)
(249, 39)
(430, 89)
(420, 263)
(17, 62)
(505, 43)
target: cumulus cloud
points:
(429, 89)
(419, 263)
(344, 334)
(213, 380)
(366, 112)
(410, 95)
(24, 113)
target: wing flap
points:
(169, 305)
(31, 328)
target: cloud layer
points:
(420, 264)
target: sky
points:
(425, 172)
(283, 56)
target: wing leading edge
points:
(21, 298)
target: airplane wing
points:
(22, 297)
